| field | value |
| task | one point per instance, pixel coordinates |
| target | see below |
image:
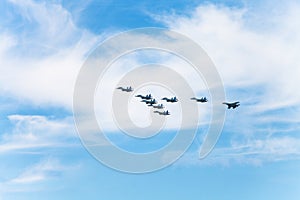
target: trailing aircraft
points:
(162, 113)
(127, 89)
(148, 96)
(202, 100)
(150, 102)
(232, 105)
(172, 100)
(159, 106)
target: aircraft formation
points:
(150, 101)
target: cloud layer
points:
(40, 56)
(259, 67)
(247, 55)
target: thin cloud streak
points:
(37, 132)
(32, 178)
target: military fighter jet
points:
(162, 113)
(159, 106)
(232, 105)
(148, 96)
(172, 100)
(150, 102)
(202, 100)
(128, 89)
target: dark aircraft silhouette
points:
(148, 96)
(150, 102)
(172, 100)
(202, 100)
(232, 105)
(162, 113)
(159, 106)
(128, 89)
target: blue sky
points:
(254, 45)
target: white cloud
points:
(6, 43)
(39, 172)
(254, 152)
(245, 54)
(32, 178)
(40, 59)
(260, 67)
(35, 132)
(46, 53)
(259, 151)
(246, 57)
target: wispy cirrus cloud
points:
(34, 176)
(49, 168)
(33, 132)
(255, 152)
(39, 140)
